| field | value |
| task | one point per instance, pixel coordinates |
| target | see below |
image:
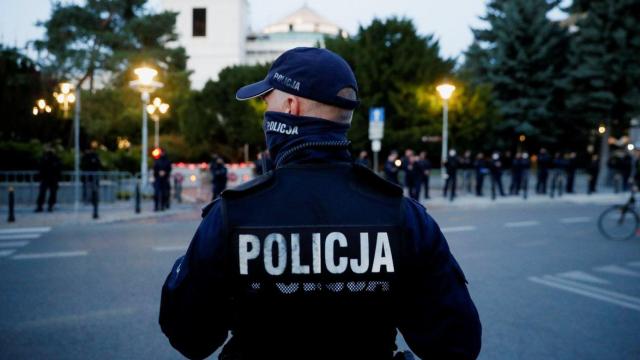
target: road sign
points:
(376, 123)
(376, 145)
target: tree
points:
(393, 64)
(21, 84)
(105, 40)
(521, 55)
(604, 70)
(216, 119)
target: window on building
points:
(199, 22)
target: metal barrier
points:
(113, 185)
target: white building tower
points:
(213, 32)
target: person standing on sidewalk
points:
(451, 166)
(391, 169)
(544, 163)
(593, 170)
(49, 172)
(572, 167)
(425, 168)
(161, 182)
(219, 176)
(482, 169)
(496, 175)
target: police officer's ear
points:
(293, 104)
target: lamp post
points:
(145, 84)
(41, 107)
(65, 97)
(157, 106)
(445, 91)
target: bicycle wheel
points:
(619, 222)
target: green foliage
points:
(106, 40)
(521, 56)
(392, 64)
(605, 72)
(20, 85)
(214, 117)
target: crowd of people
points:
(554, 174)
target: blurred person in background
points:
(593, 170)
(219, 176)
(482, 169)
(466, 164)
(49, 172)
(391, 169)
(451, 166)
(425, 168)
(91, 163)
(363, 159)
(161, 182)
(495, 168)
(544, 163)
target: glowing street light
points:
(41, 107)
(65, 97)
(145, 84)
(445, 90)
(157, 106)
(602, 129)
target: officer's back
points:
(319, 258)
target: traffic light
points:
(156, 153)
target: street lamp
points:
(65, 97)
(155, 109)
(145, 84)
(445, 91)
(41, 107)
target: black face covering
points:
(285, 133)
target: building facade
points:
(215, 34)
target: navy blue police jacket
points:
(318, 259)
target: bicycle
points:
(620, 222)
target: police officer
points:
(320, 258)
(161, 183)
(391, 169)
(49, 172)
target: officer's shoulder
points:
(248, 187)
(207, 208)
(367, 175)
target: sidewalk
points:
(472, 201)
(64, 214)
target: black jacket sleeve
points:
(195, 300)
(437, 316)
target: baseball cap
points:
(312, 73)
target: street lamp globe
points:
(145, 75)
(65, 88)
(164, 108)
(445, 91)
(151, 109)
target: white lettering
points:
(382, 255)
(317, 261)
(296, 268)
(329, 256)
(363, 266)
(246, 253)
(279, 240)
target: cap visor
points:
(253, 90)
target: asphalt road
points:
(546, 284)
